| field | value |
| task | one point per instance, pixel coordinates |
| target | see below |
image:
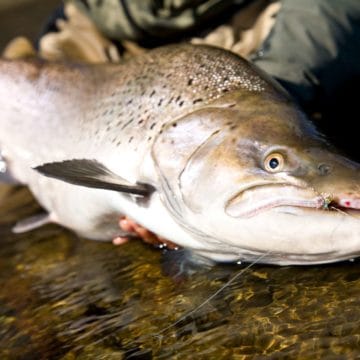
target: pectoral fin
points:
(32, 223)
(93, 174)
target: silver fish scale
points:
(162, 85)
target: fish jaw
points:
(286, 223)
(264, 196)
(292, 222)
(286, 236)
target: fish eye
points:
(274, 162)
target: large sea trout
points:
(192, 142)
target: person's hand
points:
(131, 227)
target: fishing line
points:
(193, 311)
(159, 335)
(343, 213)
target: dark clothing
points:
(154, 22)
(314, 52)
(314, 47)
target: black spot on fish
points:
(129, 102)
(225, 90)
(119, 123)
(118, 143)
(152, 126)
(131, 139)
(174, 124)
(120, 114)
(181, 103)
(152, 93)
(108, 128)
(197, 100)
(178, 98)
(190, 81)
(149, 138)
(111, 111)
(140, 121)
(128, 123)
(160, 102)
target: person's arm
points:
(152, 22)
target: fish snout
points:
(342, 190)
(337, 179)
(347, 200)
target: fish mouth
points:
(286, 198)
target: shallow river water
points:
(62, 297)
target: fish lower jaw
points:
(286, 235)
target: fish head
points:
(248, 175)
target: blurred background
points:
(15, 18)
